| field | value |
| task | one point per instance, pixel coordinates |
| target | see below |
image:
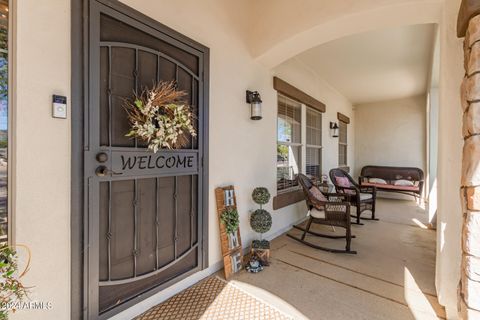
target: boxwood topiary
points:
(261, 221)
(261, 195)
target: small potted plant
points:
(261, 222)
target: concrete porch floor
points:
(391, 277)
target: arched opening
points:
(275, 45)
(280, 51)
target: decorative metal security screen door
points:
(145, 209)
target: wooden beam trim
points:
(294, 93)
(343, 118)
(285, 199)
(468, 10)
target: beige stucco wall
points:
(41, 153)
(450, 143)
(391, 133)
(42, 144)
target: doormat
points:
(213, 299)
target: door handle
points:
(103, 171)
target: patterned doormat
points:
(213, 299)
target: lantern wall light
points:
(334, 129)
(255, 101)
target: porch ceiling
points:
(376, 66)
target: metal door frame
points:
(81, 290)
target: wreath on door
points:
(161, 117)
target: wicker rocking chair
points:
(330, 209)
(362, 197)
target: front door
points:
(145, 210)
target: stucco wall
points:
(449, 223)
(391, 133)
(41, 152)
(432, 158)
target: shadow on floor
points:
(391, 277)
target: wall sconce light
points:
(334, 129)
(255, 105)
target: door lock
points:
(102, 157)
(103, 171)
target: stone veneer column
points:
(469, 287)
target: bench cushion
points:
(377, 180)
(403, 182)
(365, 196)
(391, 187)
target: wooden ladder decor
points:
(231, 243)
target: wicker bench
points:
(406, 180)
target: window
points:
(289, 144)
(314, 144)
(297, 152)
(3, 120)
(342, 144)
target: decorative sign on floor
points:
(230, 239)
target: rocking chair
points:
(332, 209)
(361, 197)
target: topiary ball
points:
(261, 195)
(261, 221)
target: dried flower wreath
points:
(160, 117)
